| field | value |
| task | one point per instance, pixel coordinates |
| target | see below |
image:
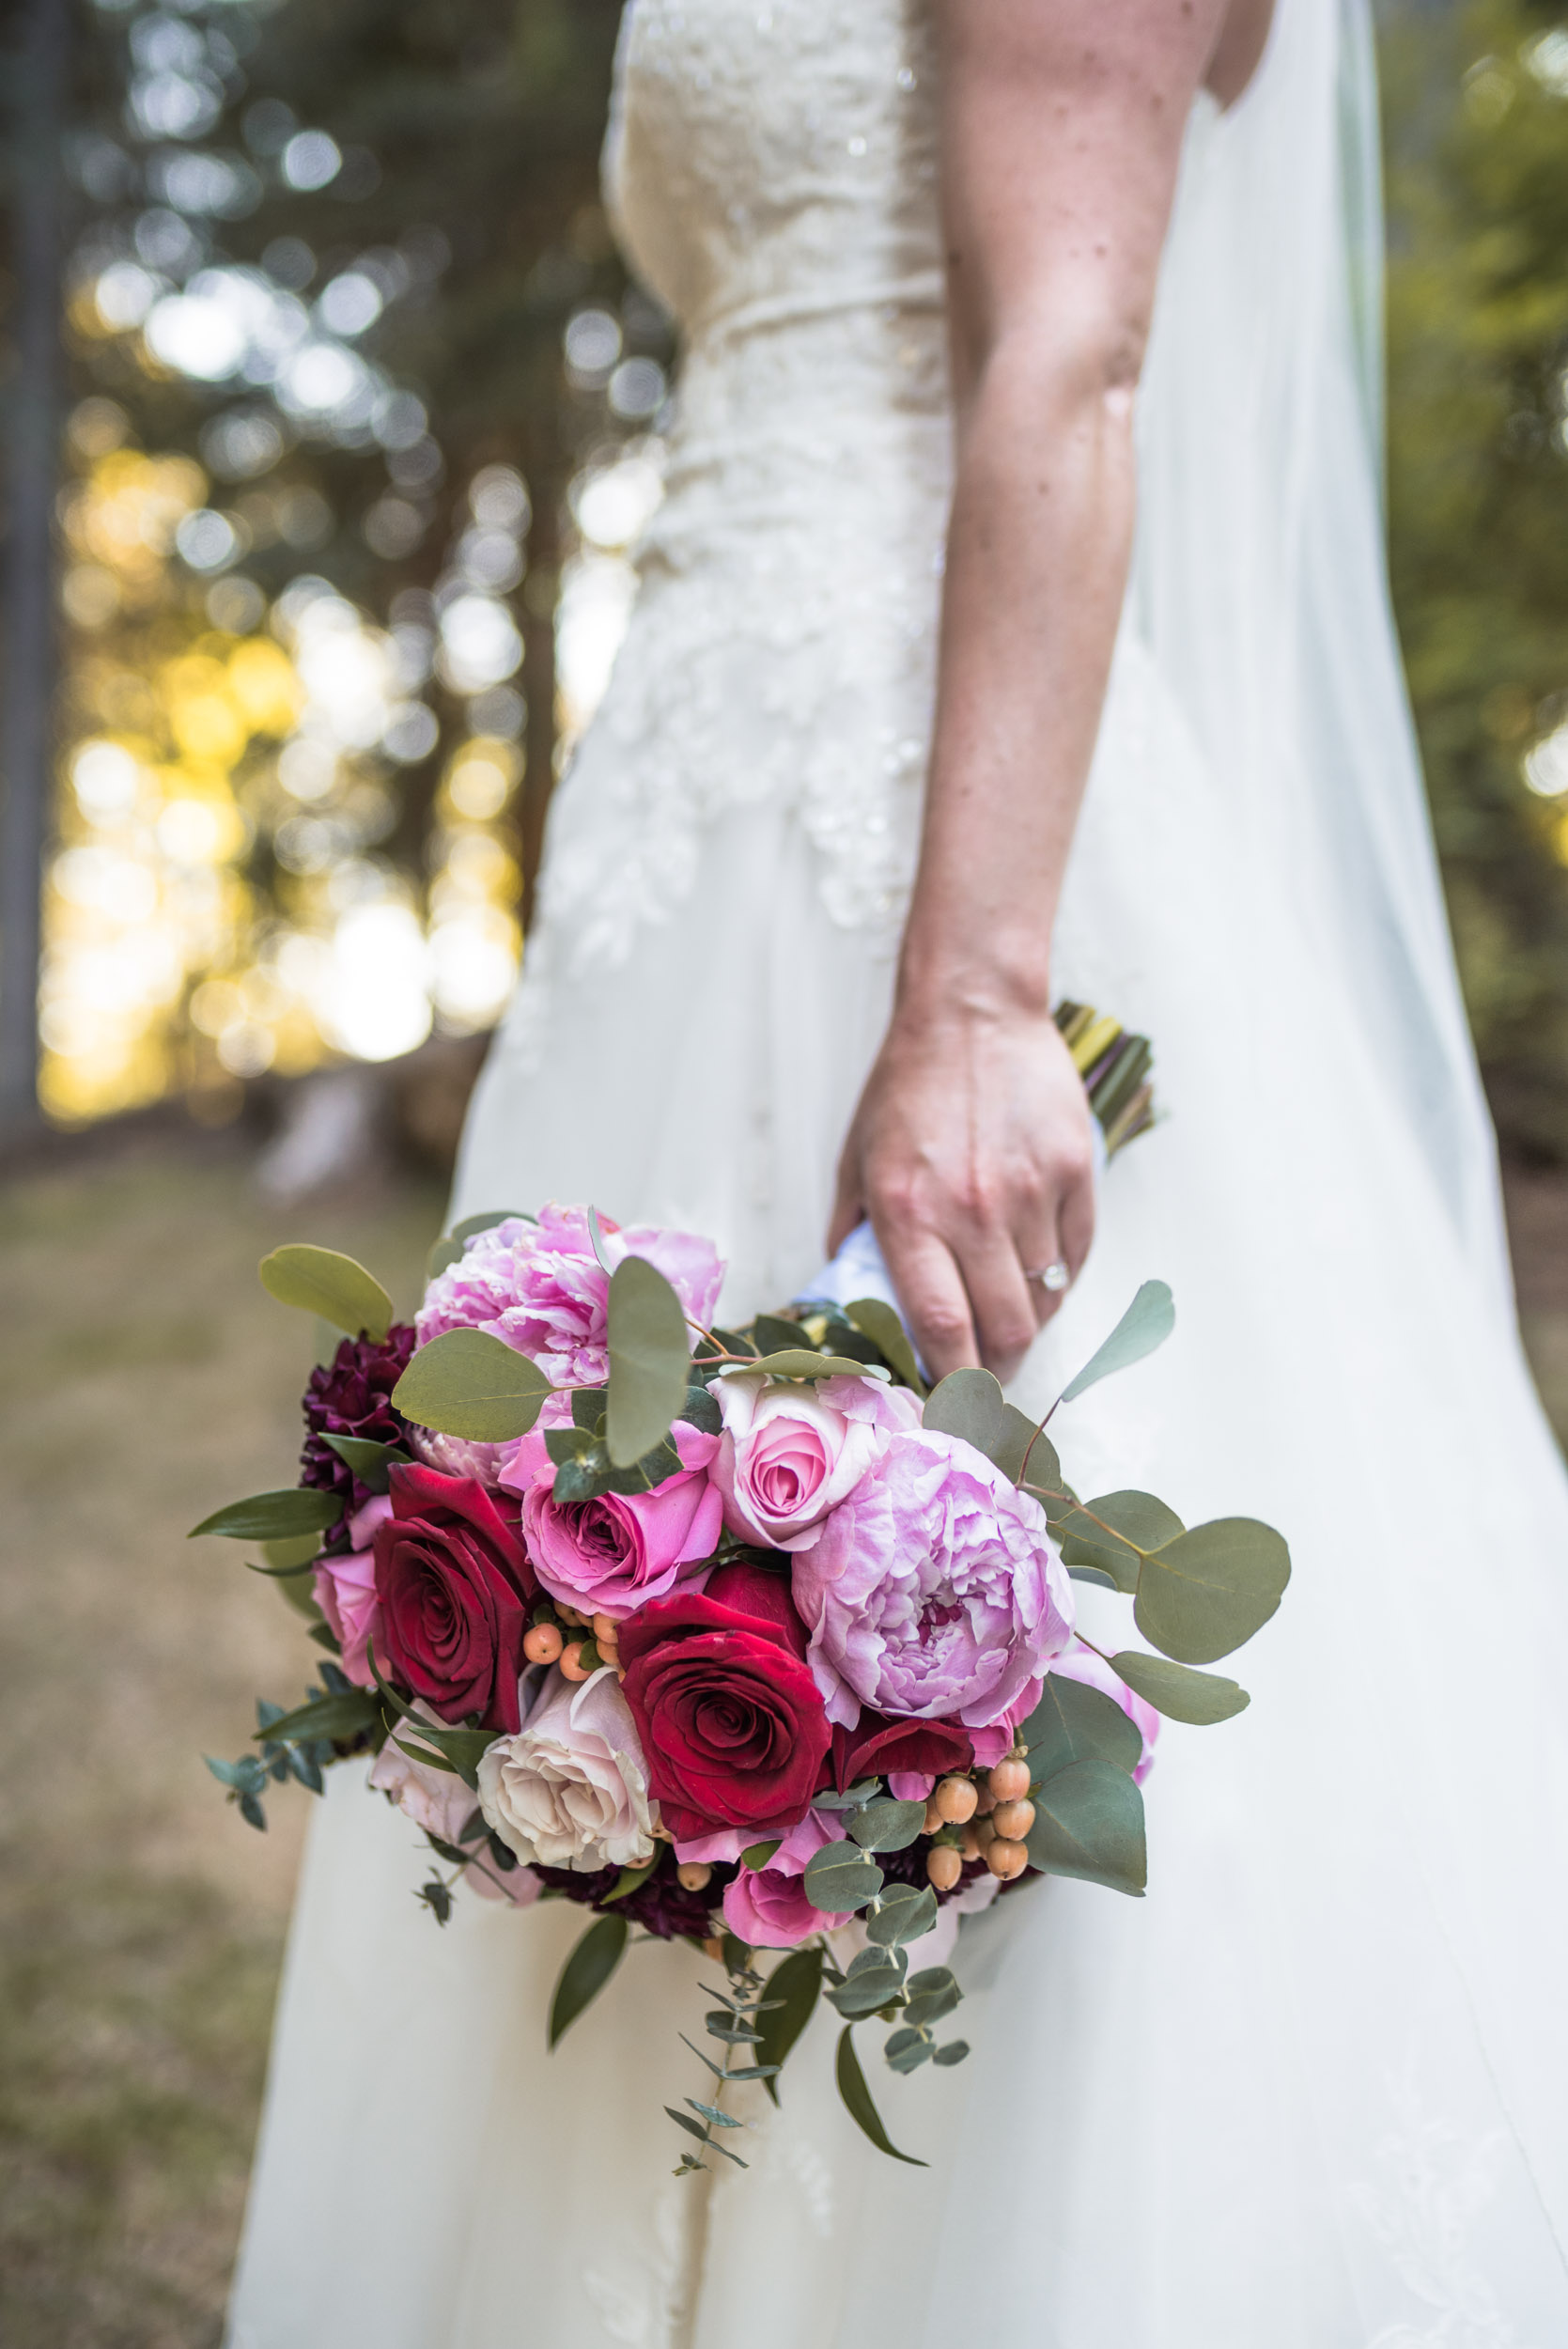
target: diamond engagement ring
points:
(1051, 1276)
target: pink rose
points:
(346, 1592)
(766, 1907)
(935, 1589)
(539, 1287)
(612, 1554)
(438, 1800)
(1078, 1662)
(790, 1454)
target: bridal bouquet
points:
(740, 1636)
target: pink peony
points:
(346, 1592)
(610, 1555)
(935, 1590)
(789, 1454)
(540, 1289)
(438, 1800)
(1078, 1662)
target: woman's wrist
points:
(970, 990)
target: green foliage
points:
(1075, 1723)
(1111, 1534)
(321, 1281)
(1146, 1324)
(858, 2100)
(1205, 1593)
(467, 1383)
(1181, 1694)
(1478, 336)
(1088, 1823)
(885, 1823)
(840, 1879)
(273, 1517)
(649, 1361)
(592, 1962)
(794, 1987)
(877, 1321)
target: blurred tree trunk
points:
(37, 109)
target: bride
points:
(950, 273)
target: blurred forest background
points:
(327, 418)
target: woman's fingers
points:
(930, 1287)
(848, 1207)
(1000, 1299)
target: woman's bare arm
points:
(1061, 130)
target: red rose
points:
(725, 1705)
(455, 1588)
(878, 1743)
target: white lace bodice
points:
(772, 172)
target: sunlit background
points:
(360, 420)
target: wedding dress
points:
(1312, 2092)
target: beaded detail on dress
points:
(772, 172)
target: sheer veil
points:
(1260, 582)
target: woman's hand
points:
(970, 1153)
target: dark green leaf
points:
(877, 1321)
(1208, 1590)
(252, 1812)
(970, 1403)
(903, 1913)
(701, 1411)
(630, 1878)
(857, 2098)
(587, 1409)
(799, 1361)
(344, 1715)
(437, 1899)
(1074, 1723)
(955, 2052)
(840, 1879)
(649, 1360)
(298, 1549)
(284, 1574)
(1179, 1692)
(246, 1776)
(1088, 1823)
(273, 1517)
(319, 1281)
(370, 1461)
(467, 1383)
(772, 1334)
(758, 1855)
(885, 1825)
(712, 2114)
(586, 1971)
(1147, 1323)
(443, 1257)
(876, 1977)
(793, 1989)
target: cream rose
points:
(571, 1788)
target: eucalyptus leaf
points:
(1088, 1535)
(467, 1383)
(931, 1994)
(903, 1914)
(794, 1987)
(770, 1334)
(649, 1360)
(1039, 1470)
(1075, 1723)
(955, 2052)
(841, 1879)
(876, 1319)
(797, 1361)
(1208, 1590)
(586, 1971)
(1147, 1323)
(595, 1242)
(906, 2050)
(856, 2099)
(1178, 1691)
(887, 1825)
(471, 1225)
(970, 1403)
(443, 1255)
(1088, 1823)
(273, 1517)
(321, 1281)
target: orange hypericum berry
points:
(572, 1665)
(955, 1799)
(943, 1867)
(1010, 1779)
(543, 1645)
(1014, 1819)
(694, 1874)
(1006, 1859)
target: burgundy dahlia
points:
(351, 1395)
(661, 1905)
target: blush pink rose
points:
(611, 1555)
(539, 1287)
(789, 1454)
(345, 1588)
(438, 1800)
(767, 1907)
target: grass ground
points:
(143, 1377)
